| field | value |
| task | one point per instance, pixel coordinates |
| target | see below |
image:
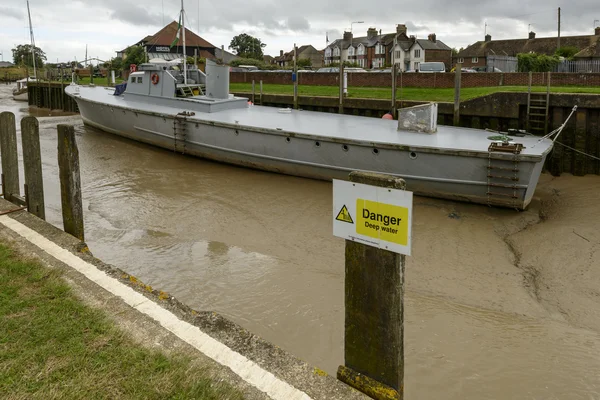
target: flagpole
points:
(184, 54)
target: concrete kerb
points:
(312, 381)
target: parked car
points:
(328, 69)
(468, 70)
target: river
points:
(499, 304)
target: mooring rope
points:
(578, 151)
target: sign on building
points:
(376, 216)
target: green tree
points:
(134, 55)
(567, 52)
(533, 62)
(22, 55)
(115, 64)
(247, 46)
(304, 62)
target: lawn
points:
(52, 346)
(424, 94)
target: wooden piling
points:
(341, 105)
(394, 72)
(253, 90)
(32, 162)
(457, 83)
(70, 183)
(374, 307)
(10, 159)
(261, 93)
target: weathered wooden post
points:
(261, 92)
(457, 83)
(527, 124)
(253, 90)
(374, 281)
(70, 183)
(341, 106)
(32, 163)
(10, 159)
(394, 106)
(295, 77)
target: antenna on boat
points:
(184, 53)
(33, 40)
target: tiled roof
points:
(166, 35)
(592, 51)
(429, 45)
(512, 47)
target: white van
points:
(249, 67)
(430, 67)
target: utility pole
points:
(558, 43)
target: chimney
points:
(400, 29)
(531, 35)
(280, 53)
(488, 38)
(431, 37)
(597, 31)
(371, 33)
(413, 38)
(347, 35)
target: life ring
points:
(154, 79)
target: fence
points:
(579, 66)
(502, 64)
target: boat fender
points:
(154, 79)
(387, 116)
(250, 103)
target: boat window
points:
(133, 79)
(139, 79)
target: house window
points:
(351, 51)
(461, 60)
(328, 52)
(416, 66)
(417, 53)
(474, 60)
(336, 52)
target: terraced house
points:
(377, 50)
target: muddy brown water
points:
(499, 304)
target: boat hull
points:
(461, 175)
(21, 96)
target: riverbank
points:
(56, 346)
(225, 358)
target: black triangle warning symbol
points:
(344, 215)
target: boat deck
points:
(318, 124)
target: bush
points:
(533, 62)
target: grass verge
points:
(52, 346)
(417, 94)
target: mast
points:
(184, 53)
(33, 41)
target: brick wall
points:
(444, 80)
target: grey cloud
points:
(297, 23)
(12, 12)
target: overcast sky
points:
(63, 28)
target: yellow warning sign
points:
(382, 221)
(344, 215)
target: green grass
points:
(424, 94)
(52, 346)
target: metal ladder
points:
(503, 171)
(179, 133)
(538, 113)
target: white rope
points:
(578, 151)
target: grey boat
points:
(196, 115)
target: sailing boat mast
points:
(184, 53)
(33, 40)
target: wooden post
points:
(253, 90)
(527, 125)
(394, 108)
(32, 162)
(49, 95)
(70, 184)
(10, 159)
(374, 320)
(547, 102)
(457, 83)
(295, 77)
(341, 106)
(91, 73)
(261, 93)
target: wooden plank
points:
(10, 158)
(70, 183)
(32, 162)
